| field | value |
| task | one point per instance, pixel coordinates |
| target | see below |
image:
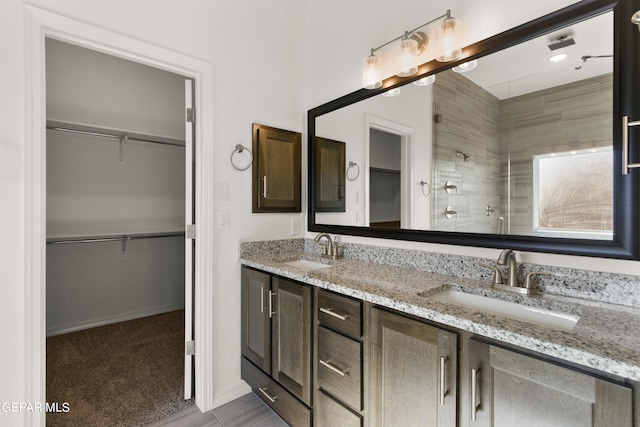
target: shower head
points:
(465, 157)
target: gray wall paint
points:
(89, 191)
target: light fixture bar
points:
(407, 34)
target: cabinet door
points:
(291, 337)
(257, 303)
(414, 372)
(276, 170)
(330, 173)
(514, 389)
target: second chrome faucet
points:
(330, 249)
(508, 257)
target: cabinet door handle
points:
(474, 394)
(272, 399)
(264, 186)
(271, 295)
(262, 299)
(340, 371)
(332, 313)
(626, 124)
(443, 392)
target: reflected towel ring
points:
(353, 164)
(239, 149)
(423, 183)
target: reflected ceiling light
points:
(636, 19)
(466, 66)
(391, 92)
(425, 81)
(558, 57)
(412, 45)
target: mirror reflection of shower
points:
(465, 157)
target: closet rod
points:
(108, 133)
(112, 238)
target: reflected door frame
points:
(406, 174)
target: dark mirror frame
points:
(626, 102)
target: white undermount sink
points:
(305, 264)
(536, 315)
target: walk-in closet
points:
(117, 204)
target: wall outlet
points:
(295, 226)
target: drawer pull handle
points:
(271, 310)
(332, 313)
(474, 394)
(334, 368)
(272, 399)
(443, 392)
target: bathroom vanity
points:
(385, 350)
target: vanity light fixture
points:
(466, 66)
(425, 81)
(412, 44)
(636, 19)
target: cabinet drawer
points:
(340, 313)
(339, 367)
(284, 404)
(329, 413)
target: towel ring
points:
(239, 149)
(423, 183)
(351, 165)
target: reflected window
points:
(573, 194)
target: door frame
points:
(38, 25)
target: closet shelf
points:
(112, 133)
(111, 237)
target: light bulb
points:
(449, 41)
(370, 72)
(408, 57)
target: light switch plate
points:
(222, 219)
(295, 226)
(222, 191)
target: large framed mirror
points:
(503, 148)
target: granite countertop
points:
(606, 337)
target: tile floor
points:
(247, 410)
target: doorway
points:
(41, 24)
(118, 265)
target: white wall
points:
(256, 52)
(334, 69)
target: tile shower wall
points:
(571, 117)
(466, 120)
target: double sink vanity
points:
(376, 338)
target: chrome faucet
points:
(508, 257)
(328, 250)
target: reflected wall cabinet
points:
(330, 174)
(276, 170)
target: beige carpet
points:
(125, 374)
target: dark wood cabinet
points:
(507, 388)
(276, 343)
(330, 175)
(414, 372)
(277, 159)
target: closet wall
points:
(90, 191)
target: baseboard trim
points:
(108, 320)
(231, 393)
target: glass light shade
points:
(466, 66)
(392, 92)
(425, 81)
(371, 72)
(408, 57)
(449, 44)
